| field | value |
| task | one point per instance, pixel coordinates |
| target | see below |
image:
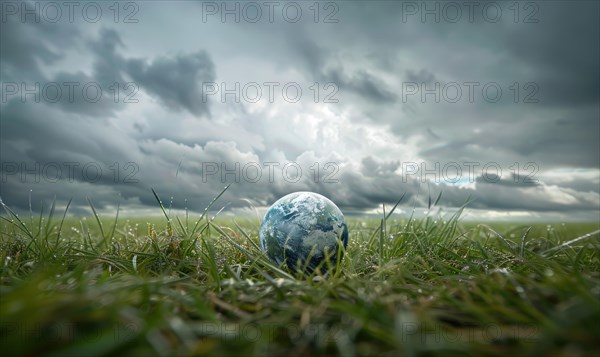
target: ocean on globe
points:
(302, 228)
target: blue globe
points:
(302, 229)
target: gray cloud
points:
(422, 76)
(171, 134)
(176, 81)
(373, 167)
(26, 46)
(363, 84)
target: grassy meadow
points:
(201, 286)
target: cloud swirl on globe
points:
(300, 226)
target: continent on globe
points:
(301, 229)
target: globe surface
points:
(302, 226)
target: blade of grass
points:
(61, 225)
(569, 243)
(103, 241)
(162, 208)
(208, 207)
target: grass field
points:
(190, 286)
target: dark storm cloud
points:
(564, 139)
(312, 54)
(362, 83)
(356, 192)
(51, 134)
(582, 185)
(563, 48)
(128, 170)
(499, 198)
(373, 167)
(75, 92)
(90, 96)
(359, 82)
(546, 140)
(108, 64)
(368, 55)
(422, 76)
(514, 181)
(24, 46)
(46, 150)
(556, 57)
(177, 81)
(47, 146)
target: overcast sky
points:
(492, 102)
